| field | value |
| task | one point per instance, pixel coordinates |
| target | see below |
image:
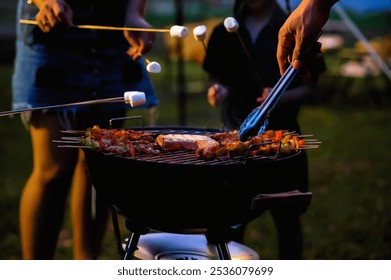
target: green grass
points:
(350, 178)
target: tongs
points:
(257, 121)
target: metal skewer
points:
(96, 101)
(74, 146)
(232, 26)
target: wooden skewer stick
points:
(153, 66)
(33, 22)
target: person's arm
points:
(141, 42)
(300, 31)
(52, 12)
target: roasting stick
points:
(153, 66)
(232, 26)
(134, 98)
(98, 101)
(175, 31)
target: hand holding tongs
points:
(252, 124)
(257, 121)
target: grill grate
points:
(189, 158)
(185, 157)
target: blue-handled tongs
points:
(257, 121)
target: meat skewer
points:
(206, 147)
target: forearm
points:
(51, 13)
(140, 42)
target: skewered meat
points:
(269, 143)
(171, 142)
(123, 142)
(209, 146)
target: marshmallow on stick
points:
(231, 24)
(177, 31)
(199, 34)
(134, 98)
(153, 66)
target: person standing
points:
(243, 68)
(57, 63)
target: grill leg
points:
(223, 251)
(220, 238)
(131, 245)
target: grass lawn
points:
(350, 178)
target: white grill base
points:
(172, 246)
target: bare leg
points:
(43, 199)
(88, 227)
(81, 212)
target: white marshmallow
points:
(199, 32)
(154, 67)
(231, 24)
(178, 31)
(134, 98)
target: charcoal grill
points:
(177, 192)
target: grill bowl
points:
(175, 190)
